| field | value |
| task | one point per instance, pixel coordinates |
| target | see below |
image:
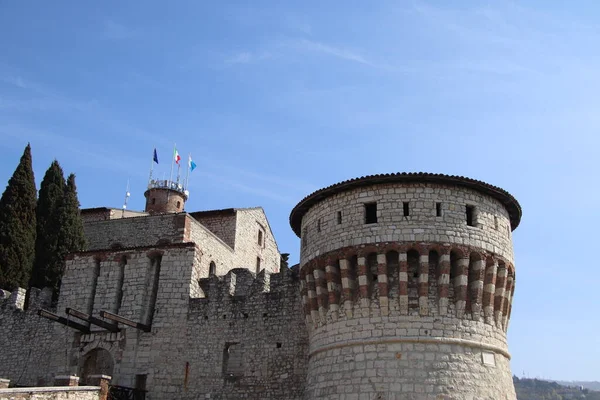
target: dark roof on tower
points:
(512, 205)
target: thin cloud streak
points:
(247, 57)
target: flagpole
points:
(172, 161)
(151, 167)
(187, 175)
(171, 174)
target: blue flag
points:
(192, 164)
(155, 156)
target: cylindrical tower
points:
(164, 196)
(407, 282)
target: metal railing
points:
(125, 393)
(165, 184)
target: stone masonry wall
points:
(220, 222)
(159, 354)
(51, 393)
(27, 339)
(322, 233)
(247, 338)
(135, 231)
(212, 249)
(247, 249)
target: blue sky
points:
(276, 100)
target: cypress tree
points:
(47, 257)
(17, 225)
(70, 233)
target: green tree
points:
(70, 232)
(17, 225)
(47, 255)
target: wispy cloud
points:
(338, 52)
(248, 57)
(247, 187)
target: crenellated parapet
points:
(241, 286)
(16, 300)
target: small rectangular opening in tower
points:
(495, 222)
(319, 225)
(470, 215)
(257, 265)
(370, 213)
(405, 206)
(260, 237)
(339, 217)
(438, 209)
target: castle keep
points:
(404, 291)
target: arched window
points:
(178, 204)
(260, 237)
(212, 269)
(153, 200)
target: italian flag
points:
(176, 156)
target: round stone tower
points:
(407, 282)
(164, 196)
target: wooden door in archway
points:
(97, 362)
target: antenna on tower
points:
(127, 195)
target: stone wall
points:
(250, 222)
(220, 222)
(153, 290)
(212, 250)
(27, 339)
(51, 393)
(248, 338)
(104, 213)
(135, 231)
(322, 233)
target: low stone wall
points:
(51, 393)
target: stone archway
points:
(97, 361)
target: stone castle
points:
(403, 291)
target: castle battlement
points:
(240, 285)
(15, 300)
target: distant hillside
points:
(535, 389)
(588, 385)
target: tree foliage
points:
(536, 389)
(47, 256)
(18, 225)
(65, 234)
